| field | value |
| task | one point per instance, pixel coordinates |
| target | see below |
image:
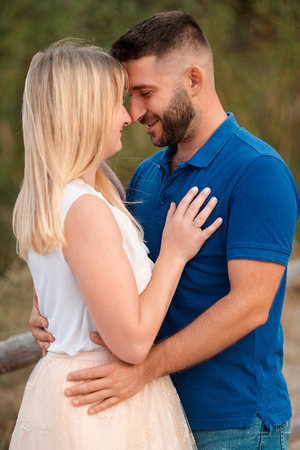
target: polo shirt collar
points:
(206, 153)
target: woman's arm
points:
(127, 322)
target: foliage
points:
(255, 44)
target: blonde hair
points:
(71, 96)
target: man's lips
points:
(151, 124)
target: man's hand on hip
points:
(38, 323)
(106, 385)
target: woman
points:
(88, 261)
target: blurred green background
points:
(256, 45)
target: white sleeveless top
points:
(59, 296)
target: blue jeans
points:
(258, 437)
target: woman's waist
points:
(94, 354)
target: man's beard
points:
(176, 119)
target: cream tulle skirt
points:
(152, 419)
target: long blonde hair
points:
(71, 96)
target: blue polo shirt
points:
(259, 203)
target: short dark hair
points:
(159, 35)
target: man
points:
(222, 337)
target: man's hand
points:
(38, 323)
(107, 385)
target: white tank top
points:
(59, 296)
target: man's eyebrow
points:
(142, 86)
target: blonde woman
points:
(88, 261)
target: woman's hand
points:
(183, 236)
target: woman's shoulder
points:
(73, 191)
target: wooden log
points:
(293, 273)
(18, 352)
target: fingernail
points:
(91, 411)
(214, 200)
(76, 402)
(68, 393)
(195, 188)
(220, 220)
(207, 190)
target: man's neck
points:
(185, 150)
(179, 157)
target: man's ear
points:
(194, 79)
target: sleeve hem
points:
(259, 253)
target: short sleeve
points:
(264, 208)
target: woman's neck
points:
(90, 177)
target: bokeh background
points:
(256, 45)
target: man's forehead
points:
(144, 73)
(140, 66)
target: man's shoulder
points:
(254, 144)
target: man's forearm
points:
(253, 287)
(191, 346)
(218, 328)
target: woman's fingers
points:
(186, 201)
(171, 212)
(188, 210)
(191, 202)
(208, 231)
(201, 218)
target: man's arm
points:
(253, 285)
(113, 179)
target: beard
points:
(175, 120)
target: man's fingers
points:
(85, 388)
(43, 345)
(37, 321)
(35, 299)
(92, 398)
(40, 334)
(105, 404)
(87, 374)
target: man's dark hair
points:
(158, 36)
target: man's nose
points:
(137, 110)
